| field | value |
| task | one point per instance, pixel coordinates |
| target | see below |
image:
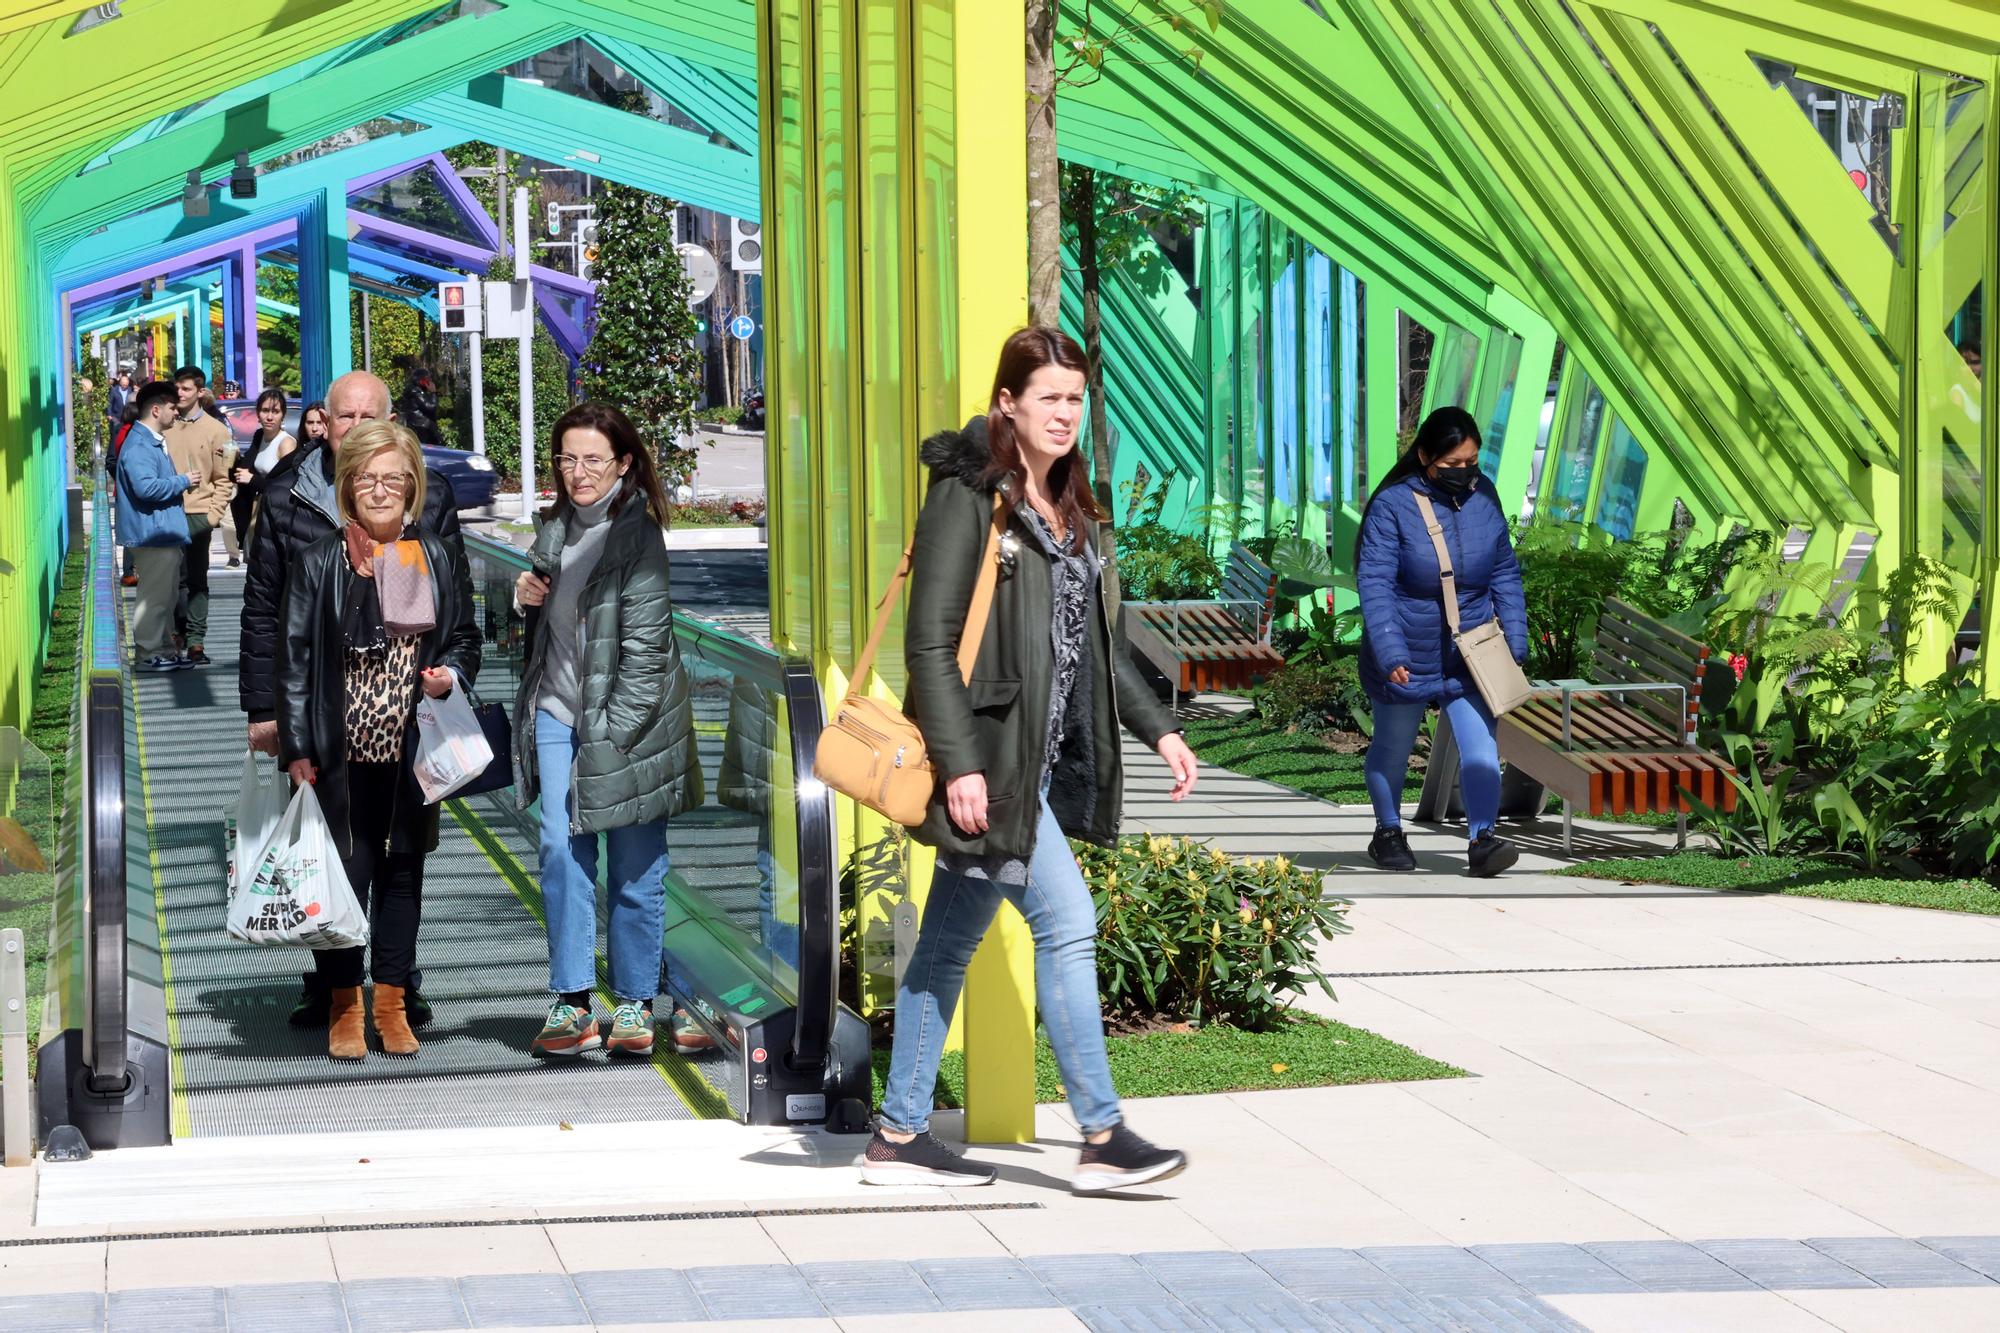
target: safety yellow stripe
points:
(693, 1090)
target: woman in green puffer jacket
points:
(603, 726)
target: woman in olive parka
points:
(1026, 753)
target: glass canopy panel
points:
(1353, 378)
(417, 198)
(576, 68)
(1501, 368)
(1454, 367)
(1319, 369)
(1566, 470)
(1861, 132)
(1624, 479)
(1286, 436)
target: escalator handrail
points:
(101, 678)
(819, 884)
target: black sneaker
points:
(1122, 1161)
(1490, 855)
(311, 1011)
(921, 1161)
(196, 657)
(1390, 850)
(416, 1009)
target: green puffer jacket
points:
(636, 762)
(998, 724)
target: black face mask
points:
(1455, 483)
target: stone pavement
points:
(1686, 1111)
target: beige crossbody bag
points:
(871, 751)
(1499, 677)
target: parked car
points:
(472, 477)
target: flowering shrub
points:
(1185, 932)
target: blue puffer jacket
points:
(1402, 594)
(150, 512)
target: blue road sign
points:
(742, 327)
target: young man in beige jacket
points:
(200, 446)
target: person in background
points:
(270, 444)
(118, 398)
(603, 726)
(298, 508)
(200, 445)
(1409, 663)
(346, 685)
(153, 524)
(418, 407)
(129, 575)
(313, 425)
(1027, 755)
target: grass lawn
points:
(1249, 745)
(25, 898)
(1311, 1053)
(1800, 876)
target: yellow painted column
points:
(991, 191)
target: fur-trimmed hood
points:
(962, 453)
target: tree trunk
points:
(1044, 173)
(1084, 204)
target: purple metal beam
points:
(246, 296)
(181, 263)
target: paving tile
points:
(1256, 1314)
(66, 1312)
(755, 1291)
(639, 1296)
(1327, 1274)
(287, 1307)
(1166, 1316)
(521, 1300)
(1440, 1270)
(182, 1309)
(1403, 1314)
(1892, 1261)
(1979, 1253)
(1204, 1273)
(879, 1286)
(1101, 1279)
(402, 1304)
(984, 1284)
(1502, 1314)
(1754, 1311)
(1670, 1265)
(1552, 1269)
(1784, 1265)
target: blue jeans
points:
(1396, 727)
(637, 890)
(1063, 921)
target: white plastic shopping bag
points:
(299, 893)
(247, 826)
(451, 748)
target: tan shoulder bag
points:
(1499, 677)
(871, 751)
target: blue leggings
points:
(1472, 727)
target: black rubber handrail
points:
(101, 671)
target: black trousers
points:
(389, 885)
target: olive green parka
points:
(635, 761)
(998, 723)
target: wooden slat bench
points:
(1624, 743)
(1212, 645)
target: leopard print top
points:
(381, 691)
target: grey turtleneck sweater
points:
(583, 542)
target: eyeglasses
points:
(395, 484)
(583, 467)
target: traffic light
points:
(459, 306)
(555, 220)
(586, 246)
(701, 325)
(746, 246)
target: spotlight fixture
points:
(194, 199)
(243, 180)
(95, 16)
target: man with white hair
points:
(298, 510)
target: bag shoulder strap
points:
(976, 613)
(1445, 574)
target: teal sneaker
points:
(567, 1030)
(631, 1030)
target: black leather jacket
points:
(297, 511)
(312, 682)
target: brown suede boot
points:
(392, 1024)
(346, 1033)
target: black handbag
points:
(499, 774)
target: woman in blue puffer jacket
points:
(1408, 660)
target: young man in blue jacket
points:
(152, 523)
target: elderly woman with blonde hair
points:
(371, 614)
